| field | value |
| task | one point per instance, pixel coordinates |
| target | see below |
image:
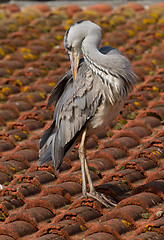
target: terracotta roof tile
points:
(6, 145)
(144, 236)
(100, 236)
(125, 159)
(20, 227)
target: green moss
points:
(146, 215)
(132, 115)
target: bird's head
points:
(72, 42)
(74, 38)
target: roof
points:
(126, 159)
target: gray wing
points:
(54, 97)
(58, 89)
(46, 139)
(76, 105)
(60, 86)
(55, 94)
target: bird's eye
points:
(69, 48)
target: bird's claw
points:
(102, 199)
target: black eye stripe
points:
(79, 22)
(69, 48)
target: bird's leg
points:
(91, 187)
(82, 160)
(85, 172)
(92, 193)
(84, 166)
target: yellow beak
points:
(74, 58)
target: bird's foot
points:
(102, 199)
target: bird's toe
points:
(100, 197)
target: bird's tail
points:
(51, 149)
(45, 145)
(45, 152)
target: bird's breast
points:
(105, 114)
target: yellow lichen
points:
(74, 189)
(127, 224)
(117, 20)
(138, 48)
(12, 168)
(51, 84)
(148, 20)
(59, 37)
(2, 97)
(137, 104)
(42, 95)
(23, 50)
(154, 61)
(24, 89)
(18, 82)
(12, 27)
(105, 25)
(2, 15)
(156, 153)
(12, 48)
(155, 89)
(130, 32)
(44, 70)
(17, 137)
(82, 228)
(159, 34)
(29, 96)
(2, 52)
(161, 21)
(29, 57)
(69, 22)
(148, 228)
(6, 90)
(25, 132)
(9, 71)
(155, 15)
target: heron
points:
(88, 97)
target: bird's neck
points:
(92, 56)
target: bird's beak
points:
(74, 58)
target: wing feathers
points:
(45, 147)
(76, 103)
(58, 89)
